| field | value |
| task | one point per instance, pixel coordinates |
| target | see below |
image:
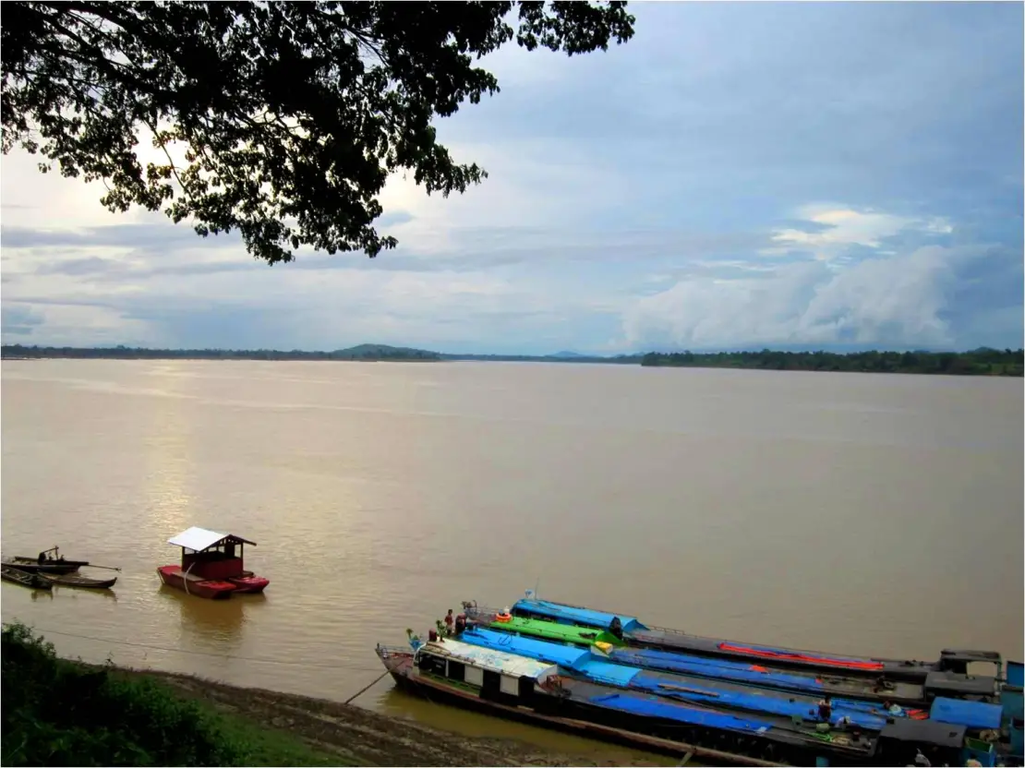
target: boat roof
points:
(198, 539)
(489, 659)
(552, 653)
(550, 630)
(577, 614)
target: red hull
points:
(172, 576)
(250, 584)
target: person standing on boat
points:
(825, 709)
(616, 628)
(449, 618)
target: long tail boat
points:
(948, 675)
(48, 561)
(766, 675)
(580, 663)
(24, 578)
(78, 582)
(516, 687)
(210, 566)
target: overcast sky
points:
(801, 175)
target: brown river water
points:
(855, 513)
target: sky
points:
(802, 175)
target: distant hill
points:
(567, 354)
(382, 352)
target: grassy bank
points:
(60, 712)
(57, 712)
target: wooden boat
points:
(762, 675)
(24, 578)
(516, 687)
(210, 567)
(946, 676)
(79, 582)
(45, 563)
(760, 701)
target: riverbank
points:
(345, 734)
(56, 710)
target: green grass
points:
(57, 712)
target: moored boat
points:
(813, 682)
(851, 713)
(948, 675)
(47, 561)
(78, 582)
(212, 565)
(24, 578)
(514, 686)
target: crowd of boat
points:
(212, 566)
(611, 676)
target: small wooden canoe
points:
(24, 578)
(80, 582)
(32, 565)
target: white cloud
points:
(843, 227)
(896, 300)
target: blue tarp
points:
(552, 653)
(721, 669)
(970, 714)
(1015, 674)
(867, 715)
(569, 614)
(608, 674)
(647, 706)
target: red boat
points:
(210, 567)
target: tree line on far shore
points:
(978, 362)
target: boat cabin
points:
(493, 674)
(212, 555)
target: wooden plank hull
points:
(403, 673)
(24, 578)
(32, 565)
(78, 582)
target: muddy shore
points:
(361, 737)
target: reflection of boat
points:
(515, 687)
(210, 567)
(24, 578)
(79, 582)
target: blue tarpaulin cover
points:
(582, 616)
(553, 653)
(651, 707)
(970, 714)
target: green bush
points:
(56, 712)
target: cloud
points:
(737, 174)
(828, 231)
(900, 301)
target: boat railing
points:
(480, 612)
(669, 630)
(394, 650)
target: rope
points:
(367, 688)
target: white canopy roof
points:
(198, 539)
(495, 661)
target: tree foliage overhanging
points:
(294, 114)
